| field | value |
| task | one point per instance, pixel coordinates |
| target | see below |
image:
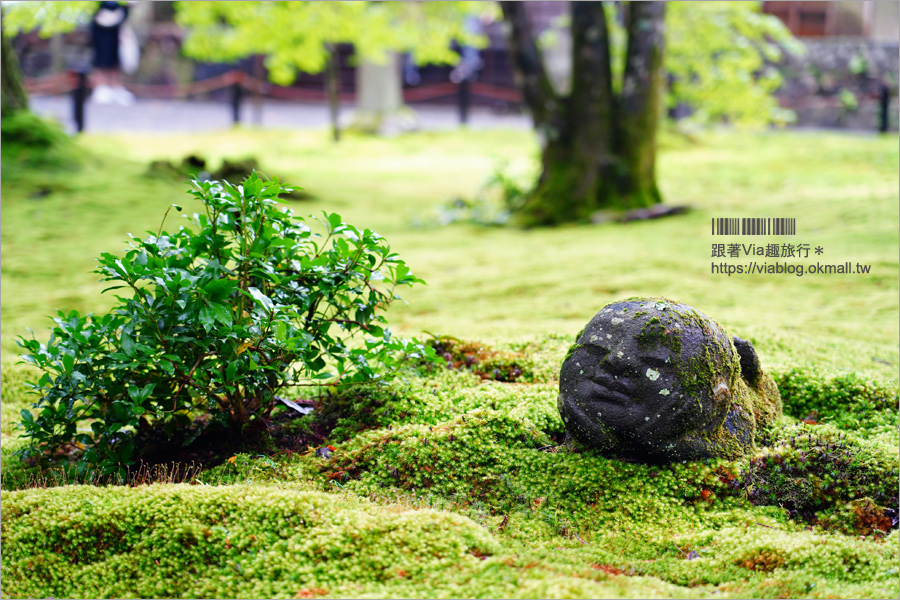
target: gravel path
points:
(177, 115)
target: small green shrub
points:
(501, 194)
(218, 321)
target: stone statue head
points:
(657, 380)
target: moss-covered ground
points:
(454, 482)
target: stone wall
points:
(838, 83)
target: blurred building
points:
(869, 20)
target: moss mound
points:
(807, 468)
(846, 400)
(431, 400)
(208, 542)
(448, 485)
(482, 360)
(30, 142)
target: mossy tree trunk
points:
(12, 87)
(642, 86)
(598, 149)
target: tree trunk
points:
(531, 76)
(640, 102)
(259, 73)
(12, 87)
(379, 98)
(597, 150)
(333, 91)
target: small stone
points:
(709, 387)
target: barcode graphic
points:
(754, 226)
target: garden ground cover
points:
(465, 476)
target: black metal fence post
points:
(464, 100)
(79, 96)
(236, 97)
(884, 102)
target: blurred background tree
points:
(598, 133)
(303, 36)
(299, 37)
(50, 18)
(12, 88)
(705, 62)
(720, 62)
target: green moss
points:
(846, 400)
(534, 503)
(696, 373)
(483, 360)
(432, 400)
(465, 456)
(862, 516)
(640, 523)
(573, 349)
(809, 468)
(655, 334)
(32, 142)
(561, 196)
(182, 541)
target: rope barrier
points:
(63, 83)
(77, 84)
(180, 90)
(495, 92)
(294, 94)
(430, 92)
(60, 83)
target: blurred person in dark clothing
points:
(106, 28)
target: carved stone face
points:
(650, 378)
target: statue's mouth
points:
(609, 389)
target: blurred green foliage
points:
(720, 58)
(294, 35)
(719, 55)
(50, 18)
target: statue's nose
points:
(620, 362)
